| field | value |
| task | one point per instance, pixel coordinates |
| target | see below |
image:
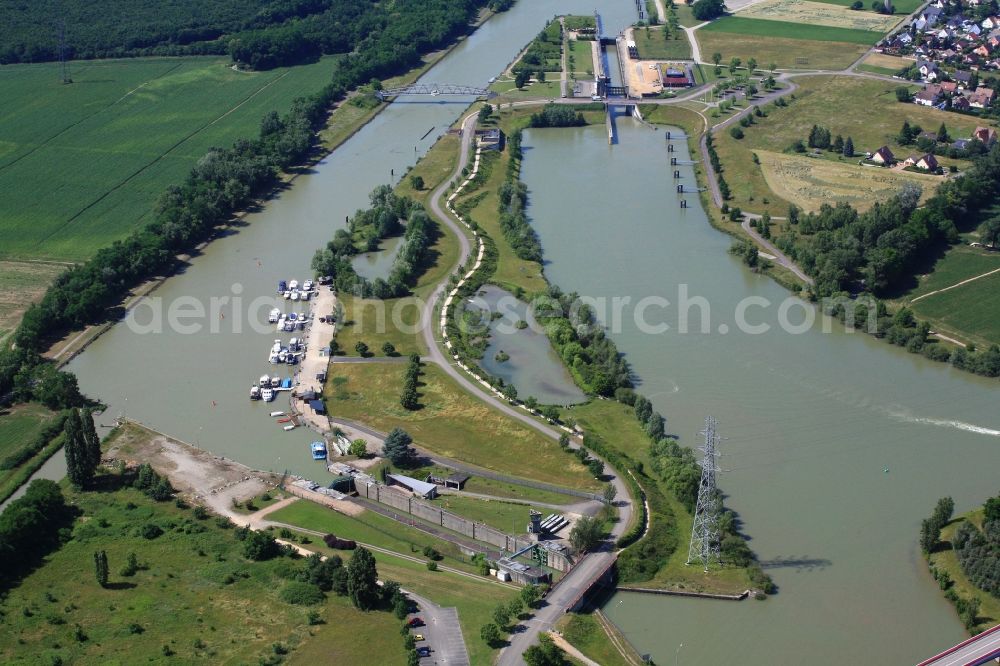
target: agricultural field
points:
(826, 101)
(887, 65)
(959, 263)
(785, 52)
(738, 25)
(83, 164)
(22, 282)
(450, 422)
(809, 13)
(902, 7)
(195, 598)
(652, 46)
(970, 312)
(810, 182)
(19, 425)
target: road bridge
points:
(977, 650)
(434, 90)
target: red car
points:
(416, 622)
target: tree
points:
(736, 132)
(751, 65)
(91, 439)
(903, 93)
(716, 58)
(541, 76)
(530, 594)
(358, 448)
(101, 567)
(397, 447)
(501, 615)
(260, 546)
(586, 534)
(491, 634)
(930, 528)
(849, 147)
(989, 231)
(991, 509)
(942, 134)
(417, 182)
(361, 348)
(388, 349)
(706, 10)
(838, 145)
(521, 78)
(546, 653)
(485, 113)
(609, 493)
(362, 580)
(734, 64)
(78, 458)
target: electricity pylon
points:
(705, 536)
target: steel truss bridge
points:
(436, 89)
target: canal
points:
(813, 419)
(838, 444)
(193, 383)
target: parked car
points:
(416, 622)
(423, 651)
(418, 637)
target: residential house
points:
(929, 96)
(929, 136)
(960, 103)
(928, 70)
(883, 156)
(981, 98)
(962, 77)
(987, 135)
(991, 22)
(949, 87)
(926, 162)
(960, 144)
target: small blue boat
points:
(282, 287)
(286, 383)
(318, 450)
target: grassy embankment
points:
(587, 634)
(970, 312)
(786, 44)
(196, 599)
(616, 424)
(829, 177)
(19, 425)
(371, 528)
(945, 559)
(451, 422)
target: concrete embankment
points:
(685, 593)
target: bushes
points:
(557, 115)
(304, 594)
(30, 527)
(513, 199)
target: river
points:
(813, 421)
(194, 385)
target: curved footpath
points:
(568, 589)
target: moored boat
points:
(254, 392)
(318, 450)
(267, 394)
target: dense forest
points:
(364, 233)
(258, 33)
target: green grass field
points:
(582, 65)
(197, 595)
(790, 30)
(786, 53)
(961, 262)
(652, 46)
(968, 312)
(81, 165)
(509, 517)
(875, 69)
(450, 422)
